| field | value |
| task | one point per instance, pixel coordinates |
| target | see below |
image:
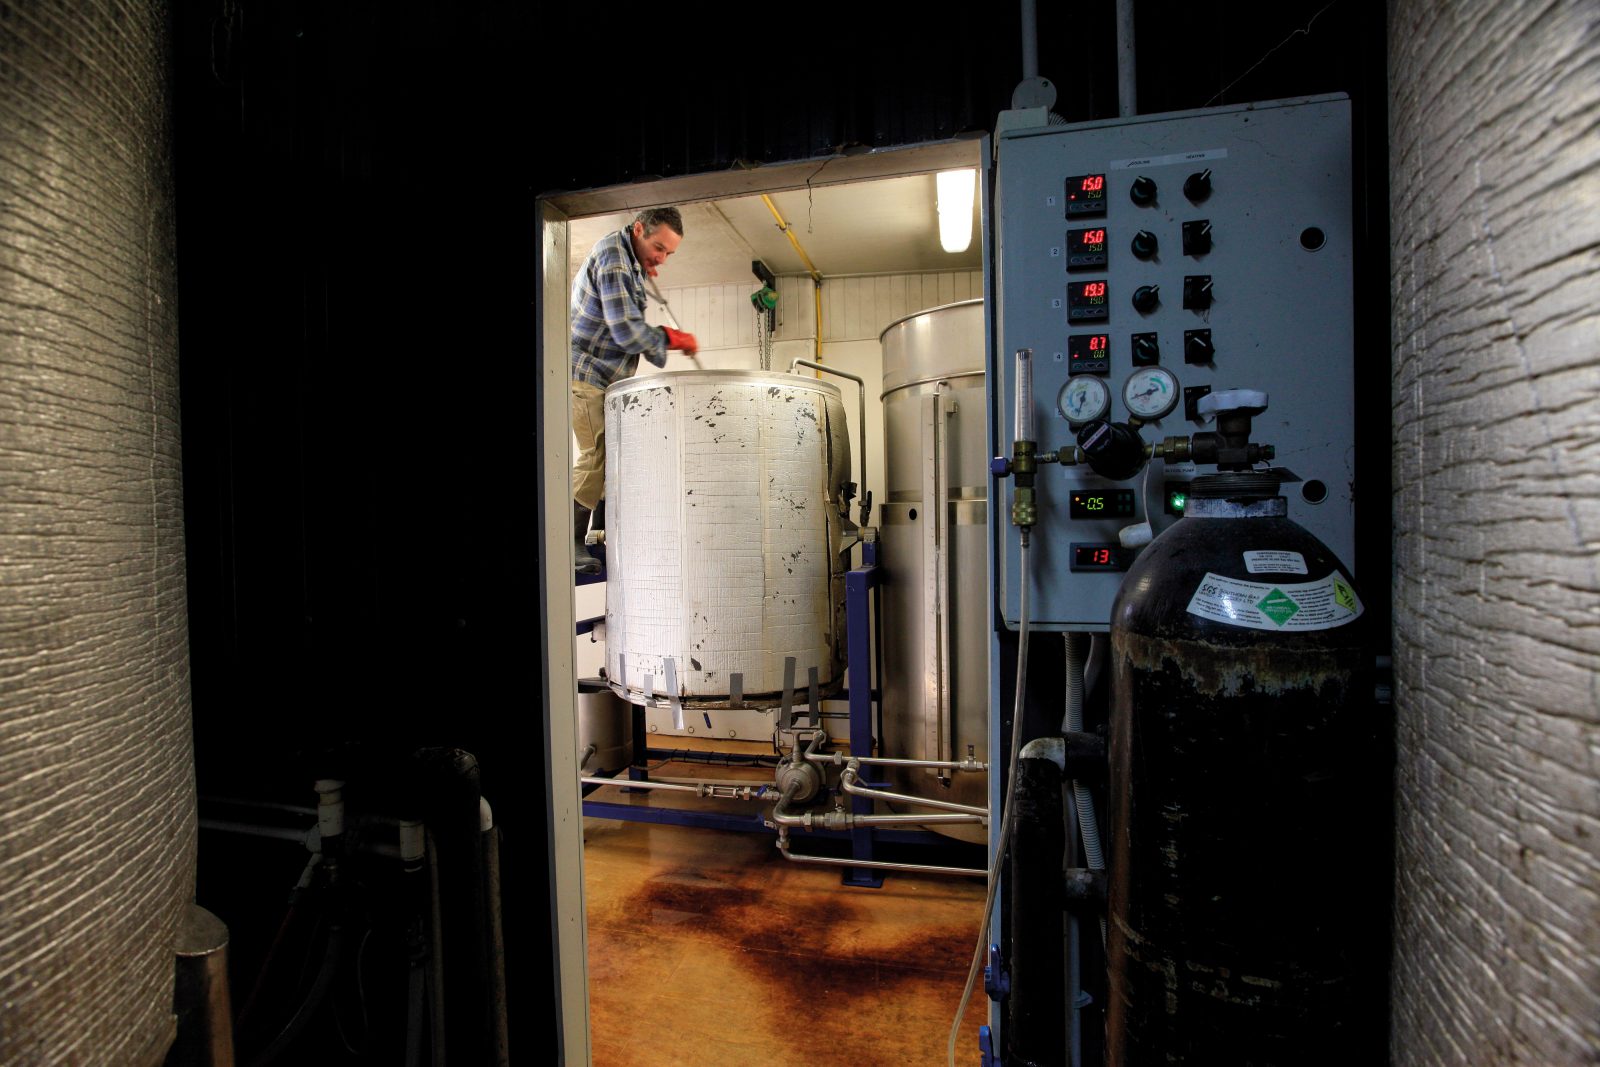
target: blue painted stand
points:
(860, 586)
(858, 597)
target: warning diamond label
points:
(1277, 607)
(1319, 605)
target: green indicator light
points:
(1178, 501)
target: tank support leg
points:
(859, 586)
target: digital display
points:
(1088, 353)
(1106, 556)
(1101, 504)
(1086, 249)
(1086, 195)
(1088, 302)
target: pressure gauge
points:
(1083, 399)
(1150, 392)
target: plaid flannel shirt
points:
(609, 333)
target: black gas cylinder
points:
(1249, 822)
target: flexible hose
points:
(1007, 810)
(313, 1000)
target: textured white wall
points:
(1496, 295)
(97, 811)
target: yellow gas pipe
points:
(811, 269)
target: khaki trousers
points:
(589, 427)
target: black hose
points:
(1035, 1032)
(315, 996)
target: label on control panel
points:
(1275, 563)
(1319, 605)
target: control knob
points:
(1143, 190)
(1146, 298)
(1144, 244)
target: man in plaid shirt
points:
(609, 335)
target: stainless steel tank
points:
(934, 601)
(605, 723)
(723, 535)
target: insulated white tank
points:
(723, 534)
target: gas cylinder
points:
(1249, 815)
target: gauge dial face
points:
(1083, 399)
(1150, 392)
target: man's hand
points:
(680, 341)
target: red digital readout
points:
(1093, 183)
(1099, 555)
(1098, 342)
(1094, 288)
(1094, 238)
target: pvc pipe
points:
(1077, 653)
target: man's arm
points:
(629, 331)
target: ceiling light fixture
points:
(956, 189)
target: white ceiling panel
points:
(883, 226)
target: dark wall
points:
(356, 187)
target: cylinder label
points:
(1319, 605)
(1275, 563)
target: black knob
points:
(1146, 298)
(1142, 191)
(1113, 450)
(1197, 347)
(1144, 244)
(1146, 350)
(1198, 186)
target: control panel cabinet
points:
(1147, 262)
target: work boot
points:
(583, 563)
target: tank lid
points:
(976, 301)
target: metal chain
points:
(763, 340)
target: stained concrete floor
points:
(708, 947)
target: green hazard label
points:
(1277, 607)
(1319, 605)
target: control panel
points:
(1147, 262)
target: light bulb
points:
(956, 189)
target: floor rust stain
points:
(708, 947)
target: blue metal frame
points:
(858, 601)
(860, 594)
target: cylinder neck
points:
(1244, 495)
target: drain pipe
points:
(1127, 70)
(1034, 1034)
(448, 779)
(499, 1027)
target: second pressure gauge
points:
(1083, 399)
(1150, 392)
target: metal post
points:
(858, 586)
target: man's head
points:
(656, 233)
